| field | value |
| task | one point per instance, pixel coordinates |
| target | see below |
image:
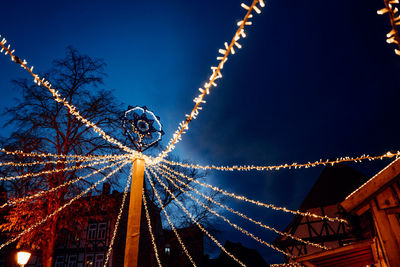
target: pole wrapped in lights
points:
(169, 175)
(258, 203)
(168, 218)
(284, 166)
(394, 16)
(216, 74)
(237, 227)
(194, 220)
(49, 216)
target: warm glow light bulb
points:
(23, 257)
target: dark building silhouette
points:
(90, 246)
(372, 209)
(250, 257)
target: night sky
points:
(315, 79)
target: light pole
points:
(23, 257)
(143, 129)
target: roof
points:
(370, 187)
(332, 186)
(355, 255)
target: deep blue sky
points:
(315, 79)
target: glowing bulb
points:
(23, 257)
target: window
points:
(92, 230)
(59, 261)
(72, 261)
(101, 234)
(89, 261)
(99, 260)
(167, 250)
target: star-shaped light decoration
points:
(142, 127)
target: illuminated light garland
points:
(62, 207)
(41, 193)
(23, 164)
(225, 219)
(372, 178)
(236, 212)
(169, 220)
(393, 36)
(290, 264)
(194, 220)
(49, 155)
(284, 166)
(8, 178)
(71, 108)
(216, 74)
(118, 218)
(150, 229)
(258, 203)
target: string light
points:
(8, 178)
(45, 219)
(78, 157)
(63, 161)
(41, 193)
(71, 108)
(194, 220)
(168, 219)
(118, 218)
(290, 264)
(258, 203)
(236, 212)
(216, 74)
(224, 218)
(284, 166)
(372, 178)
(393, 36)
(150, 229)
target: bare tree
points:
(44, 125)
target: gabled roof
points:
(333, 185)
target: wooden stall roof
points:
(369, 188)
(355, 255)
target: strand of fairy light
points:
(194, 220)
(225, 219)
(44, 192)
(57, 97)
(153, 241)
(168, 219)
(393, 36)
(8, 178)
(216, 74)
(26, 164)
(49, 155)
(118, 218)
(258, 203)
(49, 216)
(290, 264)
(238, 213)
(284, 166)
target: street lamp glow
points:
(23, 257)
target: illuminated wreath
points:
(142, 127)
